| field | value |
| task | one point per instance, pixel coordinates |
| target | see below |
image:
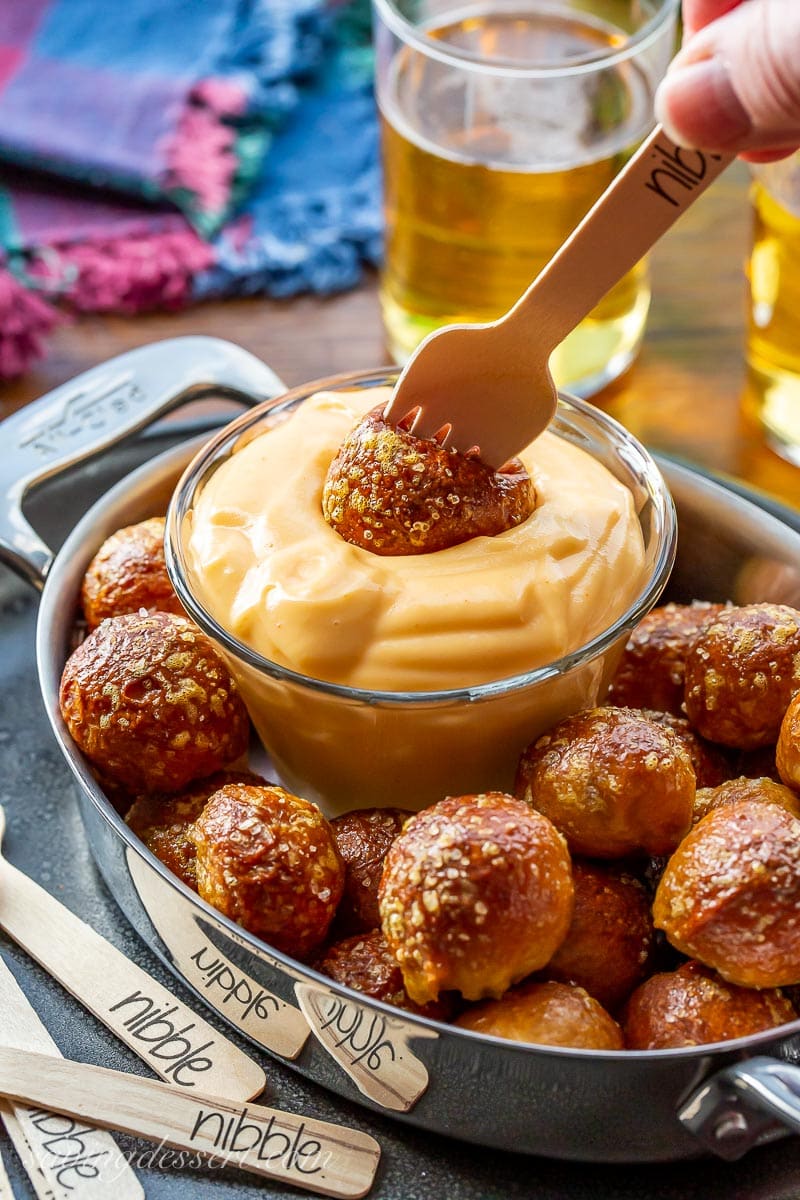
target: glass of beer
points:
(502, 123)
(772, 396)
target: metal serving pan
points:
(572, 1104)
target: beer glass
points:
(502, 123)
(773, 341)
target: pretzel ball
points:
(693, 1006)
(162, 821)
(129, 573)
(734, 790)
(613, 782)
(710, 765)
(741, 674)
(476, 893)
(392, 493)
(151, 704)
(730, 894)
(362, 838)
(787, 753)
(365, 964)
(548, 1014)
(651, 671)
(268, 860)
(609, 945)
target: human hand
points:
(735, 84)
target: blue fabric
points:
(290, 97)
(111, 92)
(314, 215)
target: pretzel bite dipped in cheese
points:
(470, 578)
(392, 493)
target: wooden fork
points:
(489, 385)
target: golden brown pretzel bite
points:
(162, 820)
(730, 894)
(787, 753)
(151, 704)
(363, 838)
(651, 671)
(743, 788)
(741, 673)
(268, 860)
(711, 767)
(613, 782)
(694, 1006)
(550, 1014)
(128, 573)
(476, 893)
(609, 946)
(364, 963)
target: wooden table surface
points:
(683, 395)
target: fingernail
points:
(697, 105)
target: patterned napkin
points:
(154, 154)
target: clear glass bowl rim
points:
(629, 449)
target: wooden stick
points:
(65, 1159)
(25, 1152)
(323, 1158)
(374, 1050)
(165, 1033)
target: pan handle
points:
(101, 407)
(750, 1102)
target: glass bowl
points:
(347, 747)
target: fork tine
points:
(409, 420)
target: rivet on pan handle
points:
(101, 407)
(751, 1102)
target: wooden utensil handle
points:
(315, 1155)
(65, 1159)
(165, 1033)
(646, 198)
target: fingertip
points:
(663, 113)
(767, 156)
(697, 106)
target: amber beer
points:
(773, 342)
(484, 182)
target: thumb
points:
(735, 85)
